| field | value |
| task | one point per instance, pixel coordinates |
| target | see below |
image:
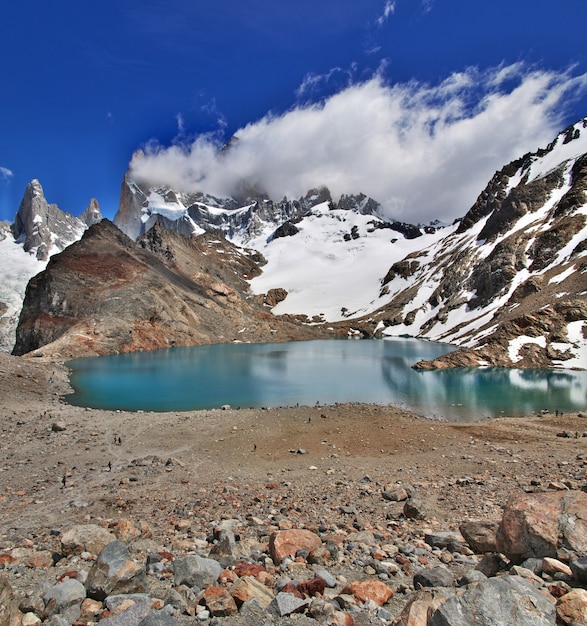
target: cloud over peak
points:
(423, 151)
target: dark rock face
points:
(287, 229)
(106, 293)
(43, 228)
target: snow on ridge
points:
(560, 153)
(516, 344)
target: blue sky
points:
(403, 100)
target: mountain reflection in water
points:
(325, 372)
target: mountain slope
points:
(107, 293)
(510, 281)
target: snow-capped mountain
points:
(518, 252)
(507, 282)
(39, 230)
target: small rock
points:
(552, 566)
(480, 535)
(195, 570)
(65, 599)
(367, 590)
(85, 538)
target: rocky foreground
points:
(347, 514)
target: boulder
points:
(65, 599)
(501, 600)
(480, 535)
(541, 524)
(85, 538)
(196, 570)
(115, 573)
(9, 612)
(572, 607)
(286, 543)
(435, 577)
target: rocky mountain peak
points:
(92, 215)
(44, 228)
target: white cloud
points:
(5, 173)
(180, 123)
(423, 151)
(388, 9)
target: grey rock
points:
(114, 602)
(254, 610)
(65, 599)
(196, 570)
(502, 600)
(115, 573)
(417, 508)
(579, 568)
(159, 618)
(286, 603)
(327, 577)
(131, 616)
(41, 226)
(435, 577)
(175, 600)
(534, 565)
(470, 577)
(450, 540)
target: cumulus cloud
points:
(6, 174)
(423, 151)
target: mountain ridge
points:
(506, 282)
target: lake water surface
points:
(324, 372)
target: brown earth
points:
(61, 464)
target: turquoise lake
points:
(318, 372)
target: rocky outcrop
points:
(108, 294)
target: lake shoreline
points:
(317, 372)
(353, 438)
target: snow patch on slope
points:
(18, 267)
